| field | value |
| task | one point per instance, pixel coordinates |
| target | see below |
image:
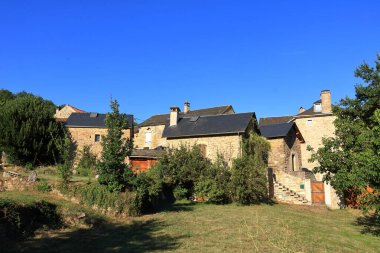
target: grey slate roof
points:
(84, 120)
(276, 130)
(209, 125)
(147, 153)
(162, 119)
(274, 120)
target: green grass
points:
(188, 227)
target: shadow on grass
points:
(370, 224)
(137, 236)
(179, 206)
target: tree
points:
(350, 161)
(249, 180)
(113, 172)
(65, 147)
(28, 129)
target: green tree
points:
(28, 129)
(249, 179)
(65, 147)
(112, 170)
(350, 161)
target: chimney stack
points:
(186, 107)
(174, 115)
(326, 101)
(301, 110)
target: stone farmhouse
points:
(290, 170)
(87, 129)
(63, 113)
(215, 130)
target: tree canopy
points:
(27, 129)
(350, 161)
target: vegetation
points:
(67, 155)
(186, 227)
(43, 186)
(249, 180)
(87, 162)
(112, 170)
(350, 161)
(28, 130)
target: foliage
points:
(249, 181)
(350, 160)
(215, 184)
(112, 170)
(87, 162)
(180, 193)
(43, 187)
(21, 221)
(28, 129)
(65, 167)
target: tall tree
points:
(113, 172)
(350, 161)
(28, 129)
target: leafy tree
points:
(350, 161)
(113, 172)
(65, 147)
(87, 162)
(28, 129)
(249, 181)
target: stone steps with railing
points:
(286, 195)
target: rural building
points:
(289, 161)
(87, 129)
(63, 112)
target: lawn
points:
(188, 227)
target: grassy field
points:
(188, 227)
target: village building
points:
(216, 130)
(62, 113)
(289, 163)
(88, 129)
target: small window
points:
(148, 136)
(97, 137)
(309, 122)
(317, 108)
(202, 148)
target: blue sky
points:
(270, 57)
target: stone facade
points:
(87, 137)
(229, 146)
(285, 153)
(313, 129)
(142, 141)
(65, 112)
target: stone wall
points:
(86, 136)
(64, 113)
(282, 149)
(313, 129)
(227, 145)
(156, 137)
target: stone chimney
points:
(174, 115)
(186, 107)
(301, 110)
(326, 101)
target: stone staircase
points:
(286, 195)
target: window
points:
(148, 136)
(202, 148)
(97, 137)
(317, 107)
(309, 122)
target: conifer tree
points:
(112, 170)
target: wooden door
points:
(317, 192)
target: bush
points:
(43, 187)
(180, 193)
(20, 221)
(87, 162)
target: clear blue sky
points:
(270, 57)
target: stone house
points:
(215, 134)
(312, 124)
(149, 140)
(87, 129)
(63, 113)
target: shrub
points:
(43, 187)
(20, 221)
(87, 162)
(180, 193)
